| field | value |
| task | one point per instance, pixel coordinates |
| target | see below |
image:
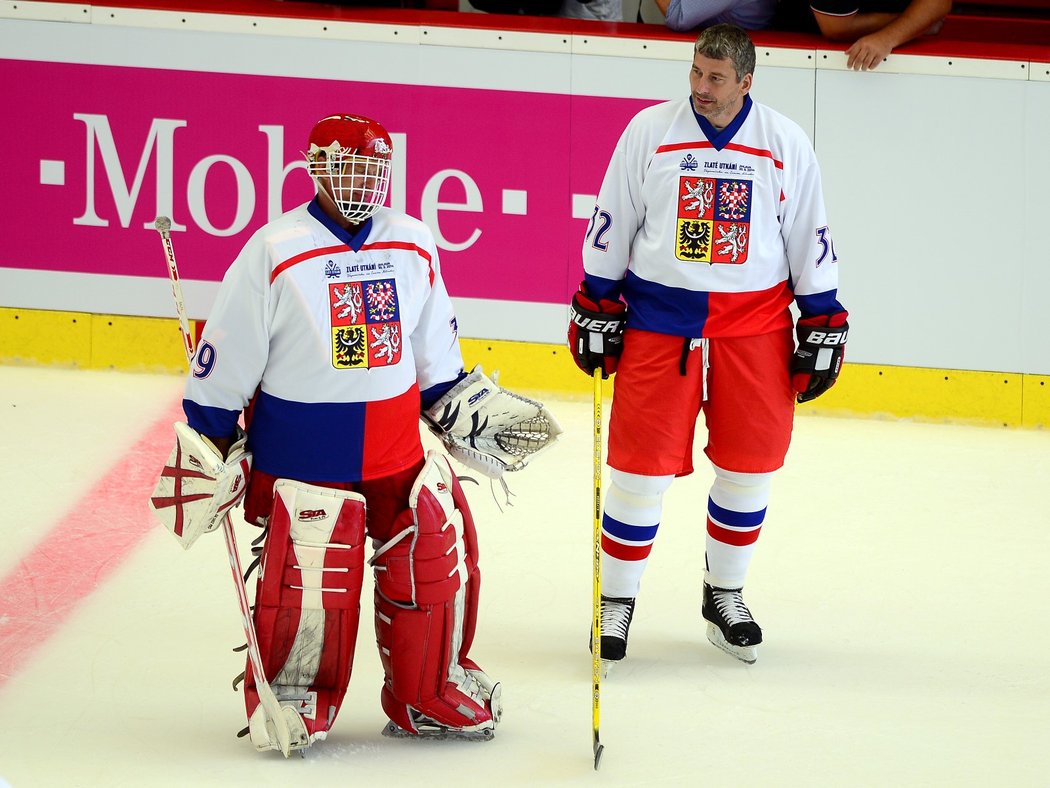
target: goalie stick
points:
(163, 226)
(286, 724)
(596, 598)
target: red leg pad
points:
(307, 603)
(426, 609)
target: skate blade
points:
(438, 732)
(607, 666)
(748, 654)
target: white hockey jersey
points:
(331, 337)
(711, 233)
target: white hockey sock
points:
(629, 524)
(736, 509)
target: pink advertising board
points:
(92, 154)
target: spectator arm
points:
(919, 17)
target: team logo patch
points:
(366, 324)
(714, 220)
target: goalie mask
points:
(349, 157)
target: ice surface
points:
(901, 581)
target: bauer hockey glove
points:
(596, 332)
(818, 358)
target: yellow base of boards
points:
(145, 344)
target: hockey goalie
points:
(333, 332)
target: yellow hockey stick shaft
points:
(596, 627)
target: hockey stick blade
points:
(283, 722)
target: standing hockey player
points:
(709, 222)
(334, 323)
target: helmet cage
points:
(358, 183)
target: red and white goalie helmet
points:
(349, 157)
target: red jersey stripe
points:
(748, 314)
(683, 146)
(309, 255)
(405, 245)
(765, 154)
(391, 439)
(408, 247)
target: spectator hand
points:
(867, 52)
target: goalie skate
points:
(426, 728)
(730, 626)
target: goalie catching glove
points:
(197, 487)
(490, 429)
(818, 358)
(596, 332)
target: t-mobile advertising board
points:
(95, 153)
(501, 144)
(499, 148)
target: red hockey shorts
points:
(749, 409)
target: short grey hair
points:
(728, 42)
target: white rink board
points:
(937, 206)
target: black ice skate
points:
(730, 625)
(616, 615)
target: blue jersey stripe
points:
(319, 441)
(664, 309)
(598, 287)
(213, 422)
(428, 397)
(825, 303)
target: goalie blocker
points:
(197, 487)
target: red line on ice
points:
(82, 549)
